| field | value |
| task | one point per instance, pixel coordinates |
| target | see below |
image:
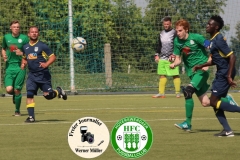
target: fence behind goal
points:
(121, 35)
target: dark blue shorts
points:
(39, 80)
(220, 85)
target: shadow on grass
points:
(236, 134)
(205, 130)
(22, 115)
(50, 120)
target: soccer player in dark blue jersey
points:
(38, 56)
(224, 59)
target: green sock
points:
(18, 99)
(225, 100)
(189, 105)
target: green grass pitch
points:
(47, 138)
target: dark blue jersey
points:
(220, 53)
(36, 53)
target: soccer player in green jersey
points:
(191, 47)
(12, 54)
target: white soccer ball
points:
(78, 44)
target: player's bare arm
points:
(18, 52)
(177, 62)
(23, 63)
(205, 65)
(209, 61)
(156, 57)
(51, 59)
(232, 60)
(4, 55)
(159, 46)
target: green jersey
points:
(10, 42)
(192, 51)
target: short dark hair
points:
(167, 19)
(14, 22)
(219, 21)
(33, 27)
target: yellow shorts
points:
(164, 69)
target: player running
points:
(221, 56)
(38, 57)
(192, 49)
(12, 54)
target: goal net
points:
(121, 37)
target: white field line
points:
(83, 109)
(38, 122)
(111, 121)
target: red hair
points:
(184, 23)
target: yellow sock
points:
(177, 84)
(30, 105)
(30, 109)
(218, 104)
(162, 85)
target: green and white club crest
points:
(131, 137)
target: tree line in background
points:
(131, 31)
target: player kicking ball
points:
(38, 56)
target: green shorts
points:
(164, 69)
(199, 82)
(15, 78)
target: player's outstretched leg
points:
(231, 100)
(61, 93)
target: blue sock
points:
(228, 107)
(31, 111)
(222, 119)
